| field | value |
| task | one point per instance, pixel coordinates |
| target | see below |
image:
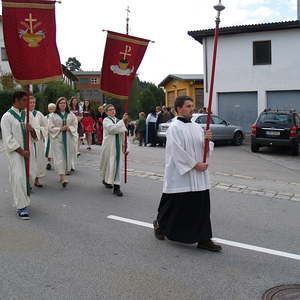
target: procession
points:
(114, 187)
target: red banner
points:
(30, 39)
(122, 58)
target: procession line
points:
(218, 240)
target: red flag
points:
(30, 39)
(122, 57)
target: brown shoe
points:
(158, 234)
(209, 245)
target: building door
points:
(238, 108)
(284, 100)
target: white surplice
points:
(63, 161)
(42, 134)
(184, 149)
(48, 147)
(12, 137)
(111, 156)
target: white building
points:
(258, 67)
(4, 65)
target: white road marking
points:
(221, 241)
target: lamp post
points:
(219, 8)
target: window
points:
(199, 97)
(171, 98)
(262, 53)
(218, 121)
(201, 120)
(181, 92)
(83, 80)
(3, 54)
(94, 80)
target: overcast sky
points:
(80, 24)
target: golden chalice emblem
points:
(123, 64)
(28, 35)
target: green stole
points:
(34, 112)
(118, 154)
(64, 135)
(21, 120)
(48, 143)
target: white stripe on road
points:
(221, 241)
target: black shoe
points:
(117, 191)
(89, 148)
(49, 167)
(209, 245)
(107, 185)
(158, 234)
(72, 170)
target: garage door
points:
(238, 108)
(284, 100)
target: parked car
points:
(276, 128)
(221, 129)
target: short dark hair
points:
(180, 100)
(18, 95)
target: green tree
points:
(73, 64)
(5, 101)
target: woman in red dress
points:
(88, 122)
(101, 115)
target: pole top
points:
(219, 7)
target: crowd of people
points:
(184, 209)
(55, 143)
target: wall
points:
(235, 71)
(4, 65)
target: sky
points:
(80, 24)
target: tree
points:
(73, 64)
(8, 82)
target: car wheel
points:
(238, 139)
(254, 147)
(295, 150)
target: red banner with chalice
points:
(29, 29)
(122, 58)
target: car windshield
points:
(276, 118)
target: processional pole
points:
(219, 8)
(27, 144)
(126, 108)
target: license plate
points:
(274, 133)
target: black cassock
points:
(185, 217)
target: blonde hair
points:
(142, 115)
(51, 105)
(108, 106)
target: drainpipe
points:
(298, 10)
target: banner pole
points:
(27, 146)
(126, 146)
(219, 7)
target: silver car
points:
(221, 129)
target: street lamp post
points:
(219, 8)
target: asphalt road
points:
(71, 250)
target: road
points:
(72, 250)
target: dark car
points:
(276, 128)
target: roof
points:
(68, 73)
(198, 35)
(81, 73)
(186, 77)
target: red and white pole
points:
(27, 147)
(219, 7)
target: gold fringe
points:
(39, 81)
(28, 5)
(125, 39)
(114, 95)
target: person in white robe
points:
(39, 145)
(113, 146)
(48, 147)
(13, 127)
(63, 131)
(184, 210)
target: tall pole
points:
(27, 146)
(298, 10)
(219, 7)
(126, 108)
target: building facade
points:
(183, 85)
(4, 65)
(258, 67)
(89, 85)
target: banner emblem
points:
(31, 38)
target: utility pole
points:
(127, 19)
